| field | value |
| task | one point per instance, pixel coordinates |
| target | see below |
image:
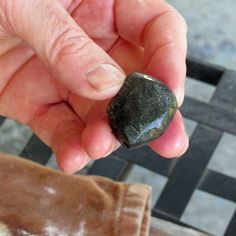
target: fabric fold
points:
(135, 210)
(35, 200)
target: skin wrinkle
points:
(167, 32)
(4, 7)
(40, 113)
(114, 45)
(11, 74)
(104, 32)
(149, 24)
(10, 81)
(71, 5)
(58, 145)
(167, 44)
(81, 106)
(8, 44)
(72, 45)
(137, 39)
(13, 10)
(170, 59)
(8, 84)
(127, 56)
(170, 40)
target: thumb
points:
(75, 60)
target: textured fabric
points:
(35, 200)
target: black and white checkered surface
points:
(198, 190)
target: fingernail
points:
(179, 94)
(113, 147)
(105, 77)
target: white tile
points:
(199, 90)
(141, 175)
(13, 137)
(211, 37)
(52, 162)
(224, 157)
(190, 126)
(209, 213)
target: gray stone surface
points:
(13, 137)
(199, 90)
(52, 162)
(208, 212)
(142, 110)
(211, 29)
(224, 158)
(141, 175)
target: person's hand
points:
(60, 62)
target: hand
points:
(60, 62)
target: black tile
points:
(219, 184)
(210, 115)
(110, 167)
(225, 94)
(188, 171)
(162, 215)
(231, 229)
(204, 71)
(36, 150)
(2, 120)
(148, 159)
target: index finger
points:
(161, 30)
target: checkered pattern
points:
(198, 190)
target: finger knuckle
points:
(68, 43)
(6, 14)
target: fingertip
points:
(174, 142)
(178, 148)
(71, 156)
(101, 82)
(184, 146)
(98, 139)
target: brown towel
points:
(35, 200)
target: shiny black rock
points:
(141, 111)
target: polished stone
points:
(142, 110)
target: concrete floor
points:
(211, 29)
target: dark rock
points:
(142, 110)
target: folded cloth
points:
(35, 200)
